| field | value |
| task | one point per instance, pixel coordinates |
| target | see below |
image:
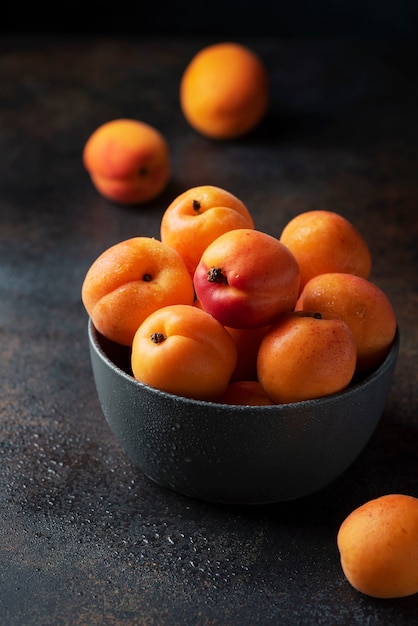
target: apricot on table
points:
(304, 356)
(130, 280)
(128, 161)
(224, 91)
(184, 351)
(198, 216)
(378, 545)
(363, 306)
(246, 278)
(325, 241)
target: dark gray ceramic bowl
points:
(236, 454)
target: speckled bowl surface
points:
(236, 454)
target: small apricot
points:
(324, 241)
(128, 161)
(378, 545)
(245, 393)
(131, 279)
(304, 356)
(363, 306)
(198, 216)
(224, 91)
(184, 351)
(247, 341)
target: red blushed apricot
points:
(247, 278)
(362, 306)
(128, 161)
(305, 356)
(184, 351)
(324, 241)
(129, 281)
(198, 216)
(378, 545)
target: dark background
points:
(85, 538)
(260, 18)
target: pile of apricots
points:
(216, 310)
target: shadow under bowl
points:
(236, 454)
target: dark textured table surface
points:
(85, 538)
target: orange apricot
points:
(324, 241)
(224, 91)
(183, 350)
(198, 216)
(130, 280)
(362, 305)
(378, 545)
(128, 161)
(305, 356)
(245, 393)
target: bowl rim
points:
(94, 335)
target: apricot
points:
(183, 350)
(130, 280)
(128, 161)
(245, 393)
(378, 545)
(246, 278)
(305, 356)
(247, 341)
(362, 305)
(224, 91)
(198, 216)
(324, 241)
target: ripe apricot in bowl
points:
(236, 453)
(224, 91)
(128, 161)
(325, 241)
(130, 280)
(245, 393)
(198, 216)
(305, 356)
(362, 305)
(184, 350)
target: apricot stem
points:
(196, 206)
(215, 275)
(147, 278)
(316, 314)
(158, 337)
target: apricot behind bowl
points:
(128, 161)
(236, 454)
(224, 91)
